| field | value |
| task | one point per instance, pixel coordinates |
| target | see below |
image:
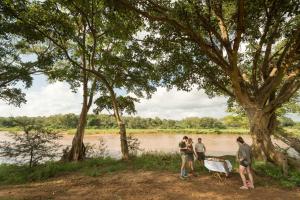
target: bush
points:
(98, 150)
(34, 145)
(133, 145)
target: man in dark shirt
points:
(183, 153)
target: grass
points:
(13, 174)
(269, 170)
(11, 129)
(91, 131)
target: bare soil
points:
(145, 185)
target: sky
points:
(44, 99)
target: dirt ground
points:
(144, 185)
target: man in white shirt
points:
(200, 151)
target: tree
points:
(89, 42)
(118, 105)
(34, 145)
(247, 50)
(12, 69)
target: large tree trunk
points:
(77, 151)
(123, 138)
(262, 126)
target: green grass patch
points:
(11, 129)
(270, 170)
(13, 174)
(91, 131)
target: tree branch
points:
(218, 10)
(209, 50)
(240, 25)
(291, 86)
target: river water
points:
(216, 144)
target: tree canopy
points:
(12, 69)
(246, 50)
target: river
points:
(216, 144)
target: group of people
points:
(188, 154)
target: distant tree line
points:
(69, 121)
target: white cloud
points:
(44, 99)
(47, 100)
(175, 104)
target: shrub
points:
(33, 145)
(98, 150)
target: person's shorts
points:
(244, 163)
(190, 157)
(183, 158)
(201, 155)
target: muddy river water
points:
(216, 145)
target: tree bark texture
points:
(262, 126)
(124, 144)
(77, 151)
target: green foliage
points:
(125, 104)
(86, 41)
(269, 169)
(246, 50)
(157, 161)
(69, 121)
(235, 121)
(12, 70)
(205, 122)
(61, 121)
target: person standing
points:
(244, 158)
(200, 151)
(190, 155)
(183, 154)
